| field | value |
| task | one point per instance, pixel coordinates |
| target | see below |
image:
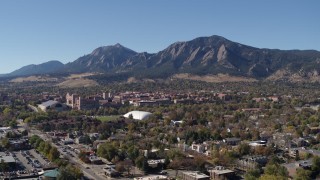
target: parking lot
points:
(28, 163)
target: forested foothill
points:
(258, 130)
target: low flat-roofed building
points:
(19, 144)
(220, 173)
(110, 172)
(9, 160)
(194, 175)
(54, 105)
(152, 177)
(232, 141)
(95, 160)
(257, 143)
(52, 174)
(154, 163)
(67, 141)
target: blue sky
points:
(36, 31)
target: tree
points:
(277, 170)
(69, 173)
(142, 163)
(244, 149)
(3, 166)
(252, 174)
(127, 164)
(7, 112)
(41, 146)
(120, 167)
(303, 174)
(108, 151)
(315, 167)
(47, 148)
(272, 177)
(53, 154)
(5, 143)
(133, 153)
(199, 162)
(24, 133)
(13, 123)
(87, 139)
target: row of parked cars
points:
(16, 171)
(34, 162)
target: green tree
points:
(252, 174)
(13, 123)
(5, 143)
(272, 177)
(142, 163)
(108, 151)
(133, 153)
(276, 169)
(303, 174)
(41, 146)
(53, 154)
(244, 149)
(69, 173)
(47, 148)
(199, 162)
(7, 112)
(3, 166)
(315, 167)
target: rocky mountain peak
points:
(201, 56)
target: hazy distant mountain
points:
(101, 59)
(200, 56)
(44, 68)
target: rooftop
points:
(151, 177)
(7, 159)
(52, 174)
(195, 174)
(48, 103)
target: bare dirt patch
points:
(76, 76)
(34, 79)
(80, 82)
(135, 80)
(214, 78)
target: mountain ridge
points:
(201, 56)
(34, 69)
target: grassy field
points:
(107, 118)
(74, 83)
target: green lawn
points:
(107, 118)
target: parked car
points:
(163, 172)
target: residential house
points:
(232, 141)
(292, 167)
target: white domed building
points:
(138, 115)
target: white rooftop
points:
(138, 115)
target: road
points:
(74, 160)
(87, 172)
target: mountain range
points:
(201, 56)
